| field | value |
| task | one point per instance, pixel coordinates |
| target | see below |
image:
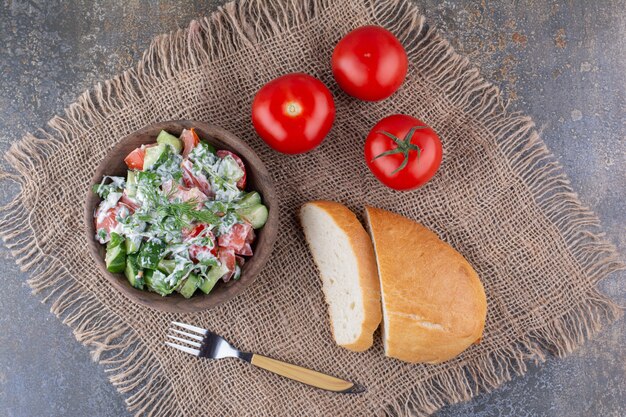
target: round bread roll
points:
(434, 305)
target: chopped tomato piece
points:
(188, 194)
(129, 202)
(187, 175)
(108, 220)
(246, 250)
(241, 184)
(195, 180)
(194, 231)
(134, 160)
(236, 237)
(227, 259)
(197, 252)
(196, 138)
(190, 140)
(251, 236)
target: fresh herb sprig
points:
(186, 211)
(103, 190)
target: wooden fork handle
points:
(306, 376)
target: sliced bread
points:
(434, 305)
(344, 255)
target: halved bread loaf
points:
(434, 305)
(345, 258)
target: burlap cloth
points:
(500, 198)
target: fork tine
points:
(180, 339)
(193, 336)
(190, 327)
(194, 352)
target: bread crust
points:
(433, 301)
(363, 249)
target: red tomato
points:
(134, 160)
(236, 237)
(196, 252)
(129, 202)
(246, 249)
(187, 174)
(403, 152)
(109, 222)
(190, 140)
(293, 113)
(188, 194)
(195, 180)
(369, 63)
(193, 231)
(241, 184)
(227, 258)
(251, 236)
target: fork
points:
(207, 344)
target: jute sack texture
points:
(500, 199)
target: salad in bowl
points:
(180, 220)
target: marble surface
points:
(562, 62)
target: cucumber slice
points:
(167, 139)
(166, 266)
(115, 258)
(251, 199)
(211, 278)
(152, 155)
(157, 281)
(189, 286)
(131, 184)
(256, 215)
(133, 272)
(116, 240)
(147, 277)
(133, 244)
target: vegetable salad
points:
(180, 220)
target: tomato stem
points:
(404, 146)
(293, 109)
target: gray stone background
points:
(562, 62)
